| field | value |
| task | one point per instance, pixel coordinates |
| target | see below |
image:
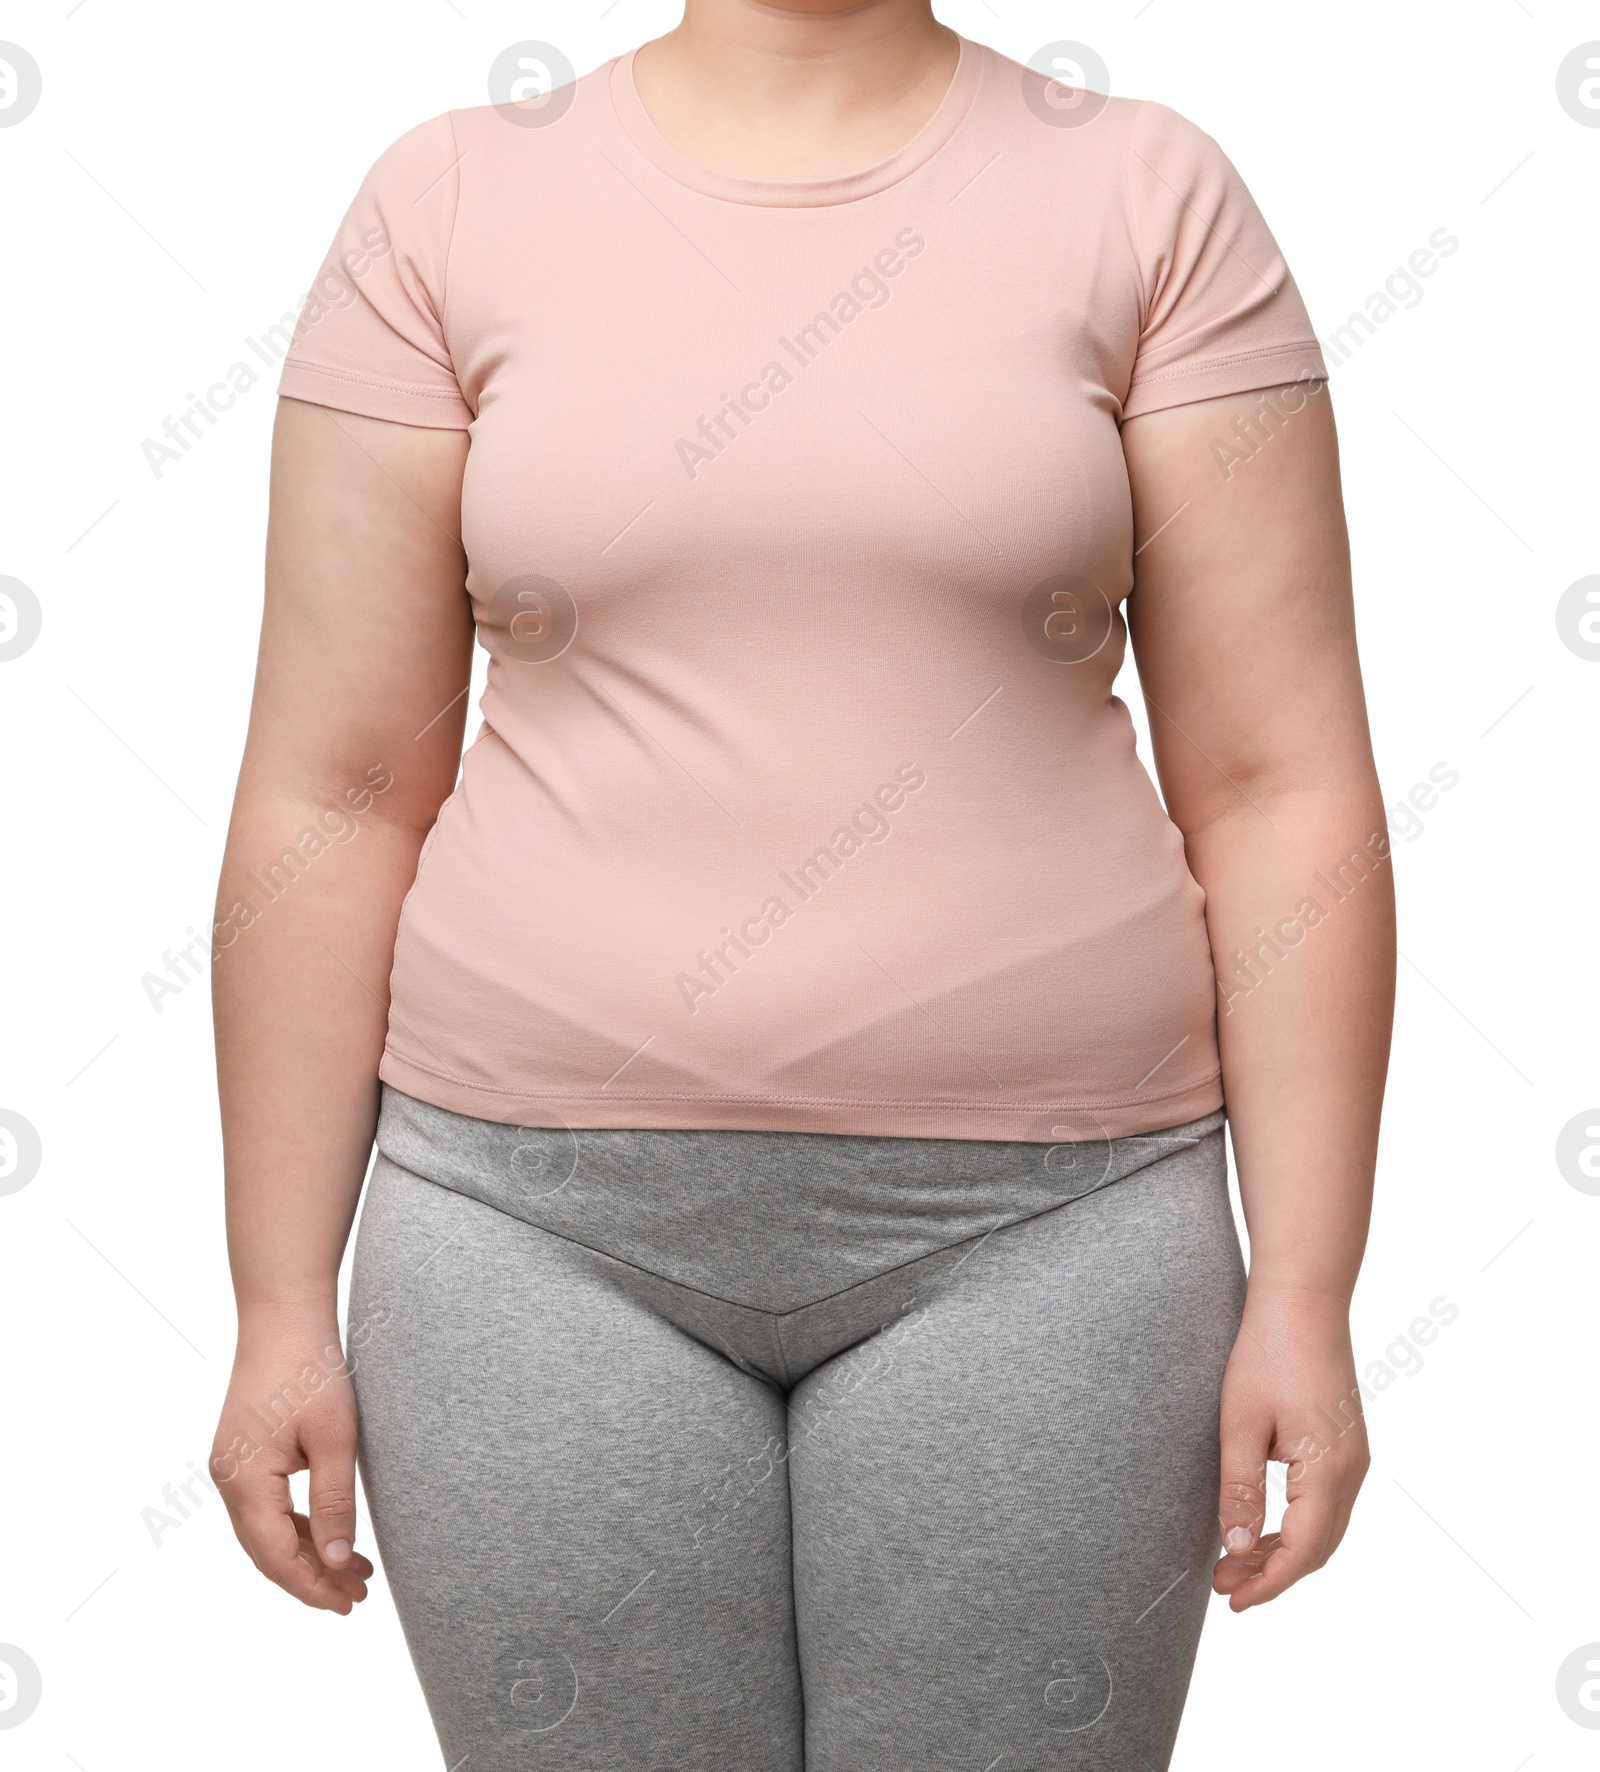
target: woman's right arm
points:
(354, 743)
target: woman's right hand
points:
(291, 1407)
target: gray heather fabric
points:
(755, 1451)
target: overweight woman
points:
(797, 1318)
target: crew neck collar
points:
(641, 130)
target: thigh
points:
(1004, 1527)
(582, 1512)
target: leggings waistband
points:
(773, 1220)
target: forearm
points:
(300, 985)
(1243, 621)
(1300, 913)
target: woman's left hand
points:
(1289, 1396)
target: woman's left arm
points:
(1244, 634)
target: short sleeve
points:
(1220, 312)
(371, 334)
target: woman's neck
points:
(796, 93)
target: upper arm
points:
(1241, 615)
(366, 637)
(366, 642)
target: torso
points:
(823, 815)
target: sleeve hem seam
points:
(1199, 364)
(374, 381)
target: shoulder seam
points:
(450, 238)
(1131, 220)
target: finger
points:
(1234, 1571)
(1242, 1499)
(268, 1530)
(349, 1581)
(331, 1450)
(1305, 1539)
(278, 1541)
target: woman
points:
(797, 1317)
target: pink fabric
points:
(823, 817)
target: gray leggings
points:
(754, 1451)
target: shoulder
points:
(1159, 136)
(526, 114)
(422, 147)
(474, 138)
(1061, 97)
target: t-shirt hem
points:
(1237, 373)
(439, 409)
(1030, 1122)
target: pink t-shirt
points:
(797, 523)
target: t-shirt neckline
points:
(641, 129)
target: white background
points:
(173, 192)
